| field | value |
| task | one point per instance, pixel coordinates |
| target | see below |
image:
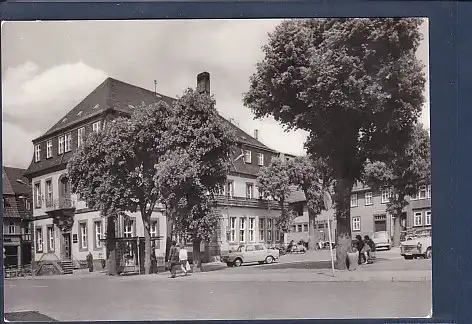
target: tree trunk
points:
(396, 230)
(197, 261)
(147, 242)
(343, 221)
(111, 247)
(311, 229)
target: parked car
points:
(250, 253)
(418, 244)
(382, 240)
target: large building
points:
(66, 230)
(369, 215)
(16, 218)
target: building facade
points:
(369, 215)
(66, 229)
(17, 212)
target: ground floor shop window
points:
(261, 229)
(39, 240)
(50, 238)
(232, 226)
(242, 229)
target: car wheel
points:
(229, 264)
(269, 259)
(388, 248)
(408, 257)
(429, 253)
(237, 262)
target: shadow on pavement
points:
(28, 316)
(299, 265)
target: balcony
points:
(62, 203)
(246, 202)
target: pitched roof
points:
(14, 183)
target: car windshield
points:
(380, 235)
(240, 248)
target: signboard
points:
(328, 202)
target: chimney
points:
(256, 134)
(203, 83)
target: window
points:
(11, 228)
(250, 248)
(249, 190)
(386, 196)
(97, 229)
(80, 136)
(354, 200)
(305, 228)
(368, 198)
(96, 126)
(48, 149)
(422, 192)
(48, 192)
(247, 158)
(299, 227)
(259, 247)
(39, 240)
(242, 229)
(418, 219)
(37, 153)
(37, 195)
(428, 192)
(230, 189)
(261, 229)
(28, 205)
(83, 235)
(252, 224)
(356, 223)
(232, 226)
(153, 229)
(60, 145)
(68, 142)
(128, 229)
(260, 159)
(50, 234)
(294, 228)
(427, 218)
(269, 229)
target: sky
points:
(49, 67)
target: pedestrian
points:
(174, 258)
(90, 262)
(183, 254)
(360, 247)
(371, 244)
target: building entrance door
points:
(380, 226)
(66, 246)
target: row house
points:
(369, 215)
(17, 212)
(66, 229)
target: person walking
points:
(360, 247)
(183, 255)
(371, 244)
(174, 259)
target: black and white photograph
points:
(240, 169)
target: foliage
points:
(354, 84)
(196, 164)
(114, 170)
(274, 181)
(403, 174)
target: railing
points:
(61, 203)
(246, 202)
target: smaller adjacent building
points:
(368, 214)
(17, 214)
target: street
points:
(295, 287)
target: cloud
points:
(17, 149)
(33, 100)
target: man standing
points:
(174, 259)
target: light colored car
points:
(382, 240)
(417, 245)
(250, 253)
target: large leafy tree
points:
(311, 175)
(403, 174)
(196, 164)
(274, 181)
(114, 171)
(354, 84)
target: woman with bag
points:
(183, 255)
